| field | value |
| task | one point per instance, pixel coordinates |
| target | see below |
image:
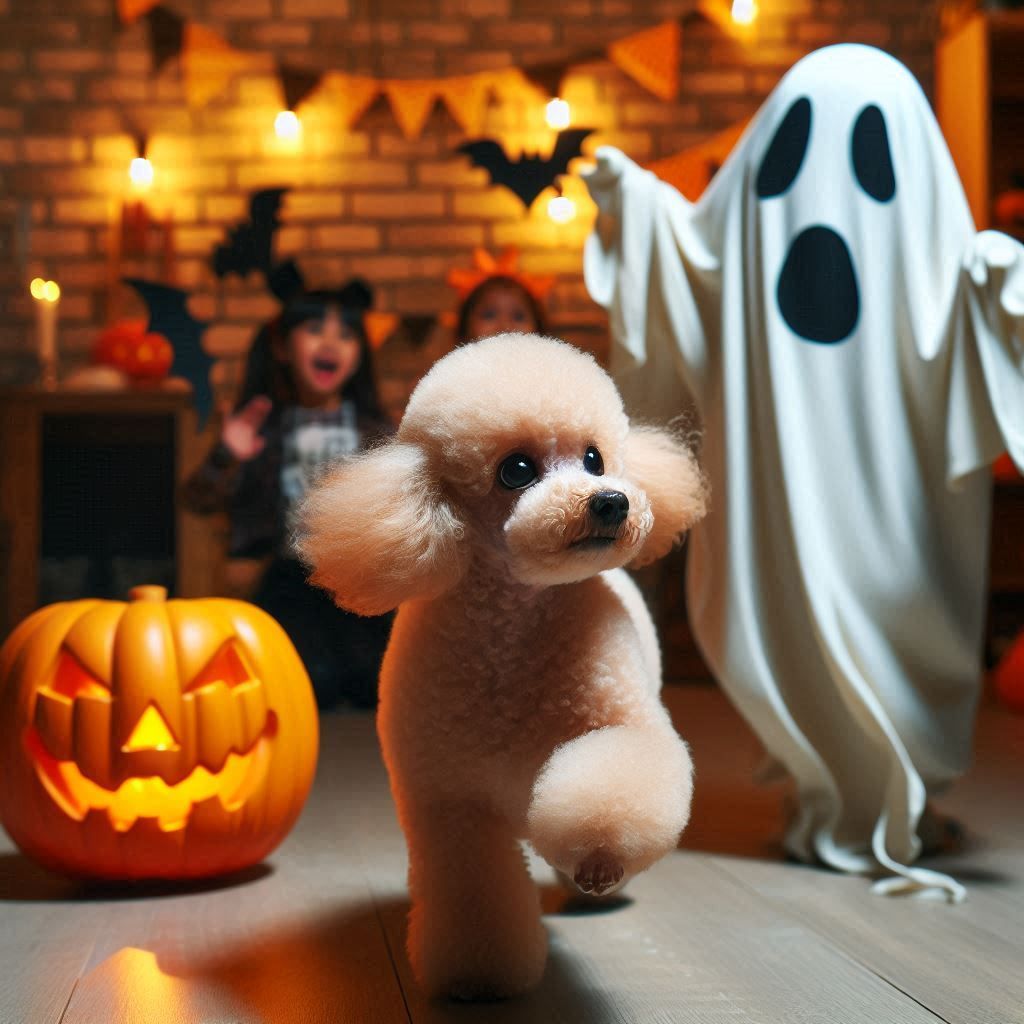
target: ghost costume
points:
(855, 351)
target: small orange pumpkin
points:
(128, 347)
(153, 739)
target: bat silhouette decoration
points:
(250, 244)
(528, 176)
(169, 316)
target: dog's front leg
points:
(611, 802)
(474, 929)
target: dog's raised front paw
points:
(598, 874)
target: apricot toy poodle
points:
(519, 694)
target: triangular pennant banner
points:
(129, 11)
(350, 94)
(297, 84)
(466, 98)
(379, 327)
(209, 64)
(652, 58)
(166, 35)
(412, 101)
(691, 170)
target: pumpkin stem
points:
(148, 592)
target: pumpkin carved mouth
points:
(149, 796)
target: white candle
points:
(47, 298)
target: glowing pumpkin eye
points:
(226, 666)
(72, 679)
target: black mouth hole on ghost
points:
(817, 293)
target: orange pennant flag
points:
(466, 97)
(208, 63)
(412, 100)
(129, 11)
(652, 58)
(691, 170)
(379, 327)
(350, 94)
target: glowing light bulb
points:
(287, 125)
(140, 170)
(48, 291)
(744, 11)
(557, 114)
(561, 209)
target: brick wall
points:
(73, 85)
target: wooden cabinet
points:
(88, 498)
(979, 98)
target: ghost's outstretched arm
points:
(987, 385)
(639, 263)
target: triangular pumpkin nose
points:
(150, 733)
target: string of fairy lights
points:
(558, 116)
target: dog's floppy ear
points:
(663, 466)
(376, 531)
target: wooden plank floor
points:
(722, 931)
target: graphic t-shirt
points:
(311, 440)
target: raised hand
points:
(241, 431)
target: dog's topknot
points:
(504, 386)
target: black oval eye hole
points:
(592, 461)
(517, 471)
(872, 158)
(785, 155)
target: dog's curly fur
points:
(519, 693)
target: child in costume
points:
(498, 298)
(309, 397)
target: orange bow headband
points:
(485, 266)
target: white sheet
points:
(837, 586)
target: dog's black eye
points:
(592, 461)
(517, 472)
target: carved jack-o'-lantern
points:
(154, 739)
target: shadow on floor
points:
(24, 881)
(340, 967)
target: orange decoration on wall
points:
(379, 327)
(691, 170)
(153, 739)
(652, 58)
(466, 98)
(412, 100)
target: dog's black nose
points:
(609, 508)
